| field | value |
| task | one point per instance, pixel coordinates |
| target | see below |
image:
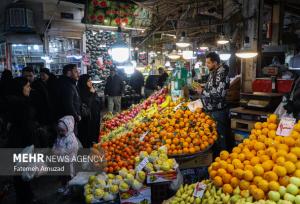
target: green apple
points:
(292, 189)
(295, 180)
(297, 199)
(289, 197)
(282, 190)
(274, 196)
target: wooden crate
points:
(202, 160)
(243, 125)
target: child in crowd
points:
(66, 144)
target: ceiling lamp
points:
(225, 56)
(168, 64)
(246, 52)
(203, 47)
(187, 54)
(120, 51)
(183, 42)
(222, 40)
(173, 55)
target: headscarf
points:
(67, 123)
(84, 90)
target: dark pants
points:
(225, 140)
(24, 194)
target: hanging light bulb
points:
(173, 55)
(183, 42)
(246, 52)
(203, 47)
(222, 40)
(120, 50)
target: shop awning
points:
(33, 39)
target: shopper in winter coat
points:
(21, 116)
(89, 125)
(136, 81)
(67, 96)
(114, 88)
(5, 83)
(66, 145)
(151, 85)
(163, 76)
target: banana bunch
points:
(166, 102)
(151, 111)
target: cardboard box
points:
(159, 177)
(136, 197)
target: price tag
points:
(142, 164)
(199, 190)
(144, 135)
(178, 106)
(285, 126)
(194, 105)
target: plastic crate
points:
(284, 86)
(262, 85)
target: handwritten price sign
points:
(285, 126)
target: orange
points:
(290, 167)
(258, 194)
(192, 150)
(176, 141)
(258, 125)
(264, 158)
(273, 118)
(270, 176)
(218, 181)
(230, 168)
(272, 126)
(295, 134)
(234, 155)
(274, 186)
(284, 147)
(185, 144)
(241, 157)
(223, 164)
(234, 182)
(212, 173)
(284, 181)
(254, 161)
(252, 187)
(248, 175)
(227, 188)
(265, 131)
(297, 173)
(289, 141)
(280, 161)
(236, 150)
(263, 185)
(291, 157)
(221, 172)
(257, 180)
(226, 178)
(297, 164)
(270, 151)
(279, 170)
(224, 155)
(267, 165)
(260, 153)
(249, 156)
(258, 170)
(248, 167)
(239, 173)
(244, 185)
(259, 146)
(296, 151)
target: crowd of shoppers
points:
(36, 111)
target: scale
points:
(261, 101)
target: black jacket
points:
(21, 115)
(114, 86)
(151, 82)
(137, 81)
(162, 79)
(67, 98)
(89, 126)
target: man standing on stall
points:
(213, 98)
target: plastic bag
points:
(34, 166)
(175, 185)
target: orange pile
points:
(181, 131)
(261, 163)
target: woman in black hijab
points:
(89, 126)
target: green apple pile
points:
(107, 186)
(287, 195)
(158, 161)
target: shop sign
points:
(286, 126)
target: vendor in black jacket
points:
(113, 89)
(68, 99)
